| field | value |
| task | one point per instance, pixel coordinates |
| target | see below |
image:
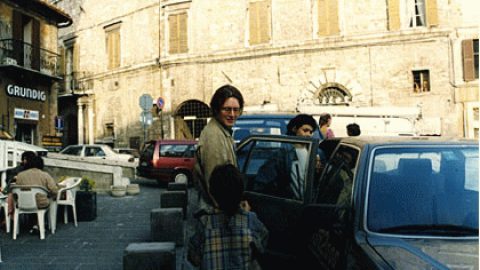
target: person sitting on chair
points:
(34, 175)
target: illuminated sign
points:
(26, 114)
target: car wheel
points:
(180, 177)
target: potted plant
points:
(86, 200)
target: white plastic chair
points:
(66, 196)
(4, 204)
(26, 203)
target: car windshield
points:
(246, 127)
(424, 191)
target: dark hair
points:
(221, 95)
(324, 117)
(226, 187)
(353, 129)
(28, 156)
(300, 120)
(36, 162)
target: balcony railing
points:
(17, 52)
(76, 81)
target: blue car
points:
(376, 203)
(268, 124)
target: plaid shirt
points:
(222, 245)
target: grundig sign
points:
(24, 92)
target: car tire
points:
(181, 177)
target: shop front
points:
(26, 108)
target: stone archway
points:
(190, 118)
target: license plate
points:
(144, 164)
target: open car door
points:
(280, 171)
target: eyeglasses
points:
(231, 109)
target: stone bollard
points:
(166, 225)
(169, 199)
(152, 255)
(177, 186)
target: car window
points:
(190, 152)
(73, 150)
(276, 169)
(147, 152)
(414, 186)
(336, 184)
(93, 151)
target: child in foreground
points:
(229, 236)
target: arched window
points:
(334, 94)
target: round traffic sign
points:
(146, 102)
(160, 103)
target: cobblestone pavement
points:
(97, 244)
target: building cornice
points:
(311, 46)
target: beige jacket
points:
(215, 147)
(38, 177)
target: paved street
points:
(98, 244)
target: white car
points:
(99, 151)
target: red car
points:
(167, 160)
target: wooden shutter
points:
(328, 17)
(75, 58)
(322, 18)
(468, 63)
(61, 61)
(333, 27)
(17, 33)
(116, 48)
(35, 44)
(113, 48)
(393, 15)
(182, 33)
(253, 23)
(173, 35)
(264, 21)
(108, 46)
(432, 12)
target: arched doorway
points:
(190, 119)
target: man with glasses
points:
(216, 146)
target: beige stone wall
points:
(374, 64)
(370, 61)
(115, 93)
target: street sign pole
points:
(145, 102)
(160, 104)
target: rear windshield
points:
(176, 150)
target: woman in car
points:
(216, 146)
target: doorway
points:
(25, 133)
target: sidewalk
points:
(98, 244)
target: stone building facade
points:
(323, 53)
(29, 71)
